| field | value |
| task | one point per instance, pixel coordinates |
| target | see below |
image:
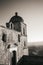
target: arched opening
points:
(13, 61)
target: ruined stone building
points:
(13, 41)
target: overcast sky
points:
(30, 10)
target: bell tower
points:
(15, 22)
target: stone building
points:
(13, 41)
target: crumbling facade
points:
(13, 41)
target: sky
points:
(30, 10)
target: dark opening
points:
(18, 38)
(4, 37)
(14, 58)
(8, 46)
(7, 25)
(11, 26)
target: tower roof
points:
(16, 18)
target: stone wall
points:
(4, 54)
(12, 38)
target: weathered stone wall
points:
(4, 54)
(12, 38)
(23, 29)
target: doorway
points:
(14, 58)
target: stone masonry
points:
(13, 39)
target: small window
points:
(7, 25)
(8, 46)
(18, 37)
(11, 25)
(4, 37)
